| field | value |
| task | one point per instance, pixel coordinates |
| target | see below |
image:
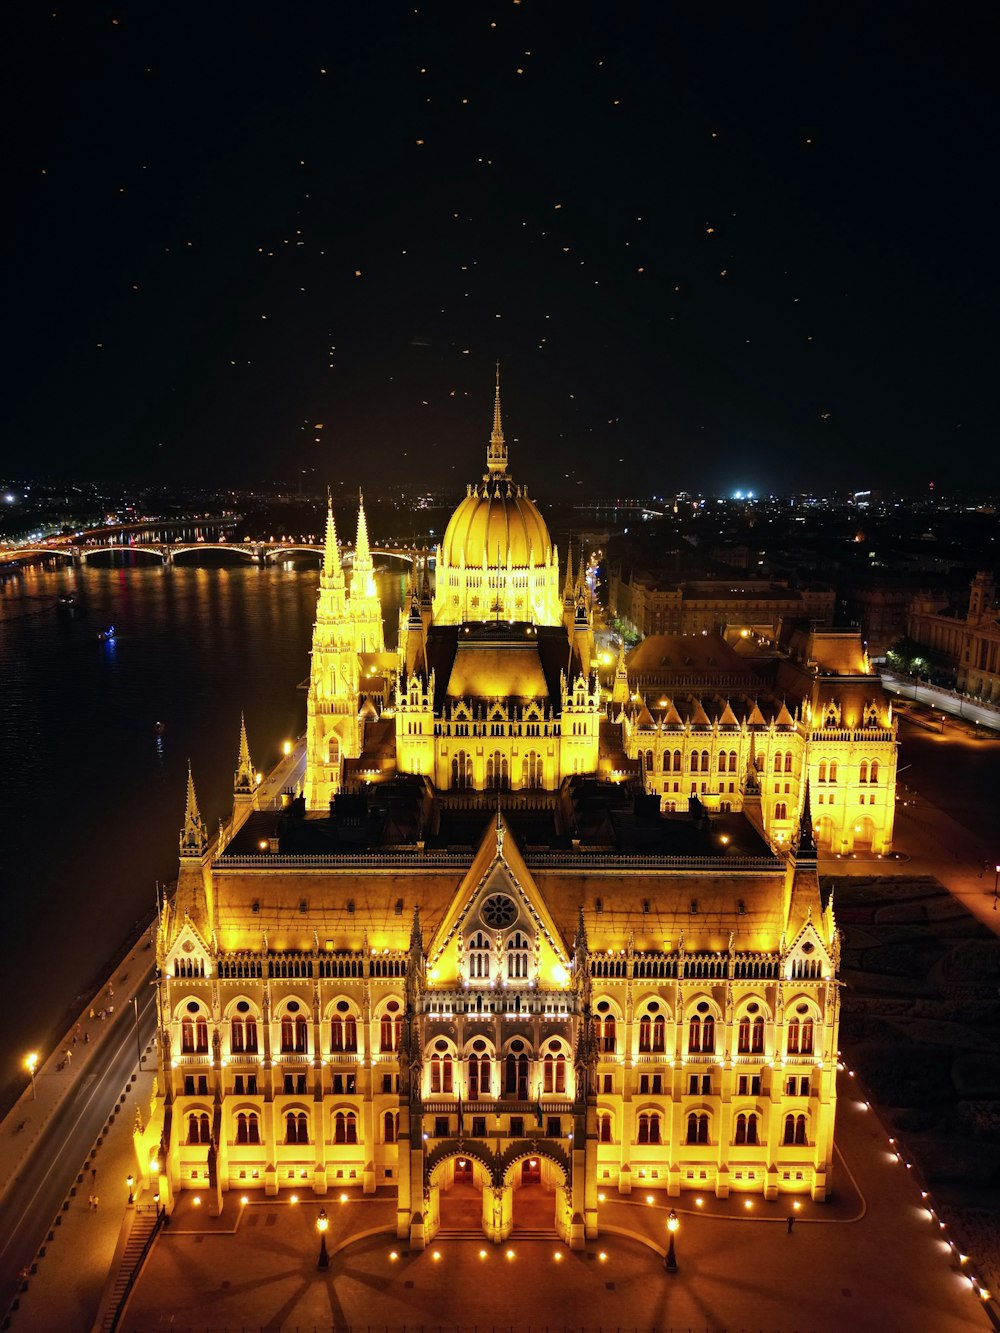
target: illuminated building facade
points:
(970, 643)
(431, 973)
(695, 713)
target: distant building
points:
(971, 644)
(655, 604)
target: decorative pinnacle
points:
(362, 552)
(496, 454)
(194, 837)
(246, 779)
(807, 843)
(331, 547)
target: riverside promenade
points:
(69, 1122)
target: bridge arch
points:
(87, 553)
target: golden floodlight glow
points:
(699, 1203)
(600, 1198)
(557, 1256)
(393, 1255)
(436, 1255)
(510, 1254)
(482, 1254)
(649, 1198)
(286, 748)
(294, 1199)
(259, 777)
(748, 1204)
(343, 1198)
(31, 1062)
(244, 1200)
(602, 1256)
(196, 1201)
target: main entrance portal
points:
(522, 1195)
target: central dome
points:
(496, 557)
(498, 522)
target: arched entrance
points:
(522, 1191)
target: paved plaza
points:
(872, 1259)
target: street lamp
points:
(322, 1222)
(130, 1182)
(31, 1064)
(670, 1261)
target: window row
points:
(750, 1036)
(746, 1128)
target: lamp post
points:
(130, 1182)
(31, 1064)
(322, 1222)
(670, 1259)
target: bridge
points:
(260, 552)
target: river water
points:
(92, 786)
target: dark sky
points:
(713, 247)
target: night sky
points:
(713, 247)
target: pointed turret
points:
(331, 547)
(245, 780)
(751, 786)
(619, 691)
(194, 835)
(805, 849)
(496, 454)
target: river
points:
(95, 739)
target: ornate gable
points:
(496, 901)
(189, 955)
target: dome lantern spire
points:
(496, 453)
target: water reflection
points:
(95, 738)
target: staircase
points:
(143, 1225)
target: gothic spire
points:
(751, 787)
(194, 836)
(807, 843)
(496, 454)
(245, 781)
(570, 583)
(331, 547)
(362, 552)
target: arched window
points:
(706, 761)
(608, 1037)
(243, 1033)
(780, 810)
(677, 761)
(532, 770)
(666, 761)
(604, 1127)
(390, 1028)
(554, 1073)
(795, 1129)
(517, 957)
(294, 1033)
(645, 1032)
(822, 770)
(442, 1074)
(751, 1036)
(701, 1034)
(697, 1127)
(746, 1128)
(863, 772)
(649, 761)
(345, 1127)
(296, 1127)
(343, 1033)
(788, 761)
(777, 762)
(722, 761)
(652, 1032)
(694, 761)
(480, 1076)
(517, 1076)
(480, 954)
(461, 770)
(497, 776)
(874, 771)
(732, 761)
(833, 770)
(199, 1130)
(800, 1036)
(247, 1127)
(648, 1128)
(390, 1126)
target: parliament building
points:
(521, 927)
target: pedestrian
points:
(92, 1014)
(96, 1202)
(90, 1202)
(791, 1222)
(68, 1054)
(74, 1038)
(93, 1175)
(86, 1039)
